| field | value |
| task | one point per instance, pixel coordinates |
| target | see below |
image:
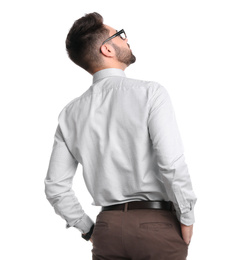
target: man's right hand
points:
(187, 232)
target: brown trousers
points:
(140, 234)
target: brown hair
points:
(84, 40)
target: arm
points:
(166, 140)
(58, 185)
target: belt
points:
(164, 205)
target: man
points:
(124, 133)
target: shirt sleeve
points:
(167, 143)
(58, 186)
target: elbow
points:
(55, 192)
(52, 189)
(47, 189)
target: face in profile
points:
(122, 48)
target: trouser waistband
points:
(162, 205)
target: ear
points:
(107, 50)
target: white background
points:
(190, 47)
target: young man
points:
(124, 133)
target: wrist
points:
(88, 235)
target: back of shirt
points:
(124, 133)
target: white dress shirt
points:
(124, 133)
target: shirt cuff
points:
(85, 224)
(187, 218)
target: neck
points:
(121, 66)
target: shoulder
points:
(152, 87)
(72, 106)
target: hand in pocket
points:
(187, 232)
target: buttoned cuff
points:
(187, 218)
(84, 224)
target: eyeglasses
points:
(121, 33)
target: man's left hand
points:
(187, 232)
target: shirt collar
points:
(107, 73)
